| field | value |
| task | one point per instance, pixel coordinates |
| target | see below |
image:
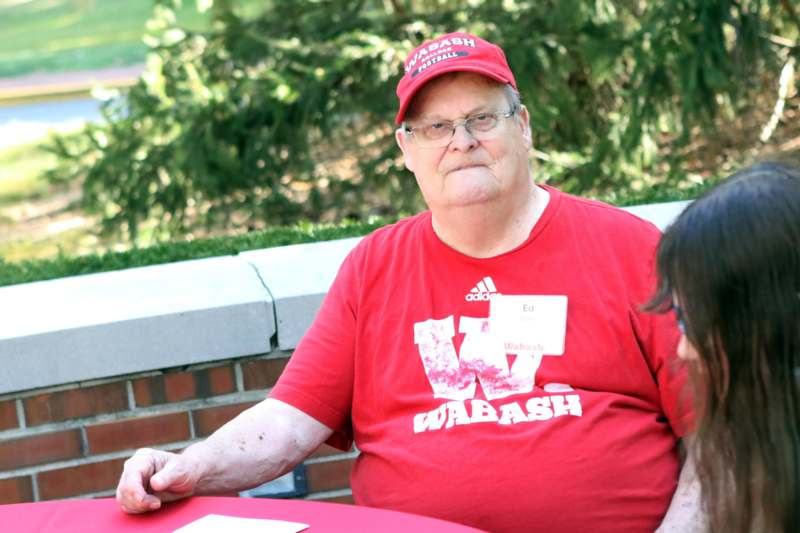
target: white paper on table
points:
(237, 524)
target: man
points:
(488, 357)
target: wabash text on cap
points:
(453, 52)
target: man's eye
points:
(437, 130)
(482, 118)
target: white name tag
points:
(529, 324)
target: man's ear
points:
(525, 124)
(402, 141)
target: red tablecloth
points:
(104, 515)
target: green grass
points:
(22, 169)
(20, 251)
(660, 194)
(22, 183)
(64, 35)
(62, 266)
(14, 271)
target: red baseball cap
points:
(453, 52)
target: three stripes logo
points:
(482, 291)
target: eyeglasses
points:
(679, 317)
(439, 134)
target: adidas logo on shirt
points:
(482, 291)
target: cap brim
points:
(417, 84)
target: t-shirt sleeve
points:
(318, 379)
(658, 336)
(660, 340)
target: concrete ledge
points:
(298, 278)
(661, 215)
(130, 346)
(103, 325)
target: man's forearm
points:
(260, 444)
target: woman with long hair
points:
(730, 269)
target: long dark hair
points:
(732, 259)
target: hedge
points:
(63, 266)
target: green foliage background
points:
(288, 116)
(27, 271)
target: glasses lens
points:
(435, 131)
(439, 134)
(679, 318)
(483, 123)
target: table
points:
(104, 515)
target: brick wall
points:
(71, 441)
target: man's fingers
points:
(131, 493)
(136, 477)
(172, 478)
(138, 503)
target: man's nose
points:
(462, 139)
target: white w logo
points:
(482, 357)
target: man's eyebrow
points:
(480, 109)
(435, 117)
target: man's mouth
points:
(464, 167)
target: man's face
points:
(467, 171)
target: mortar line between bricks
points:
(275, 354)
(131, 396)
(99, 494)
(238, 374)
(58, 465)
(124, 454)
(20, 414)
(332, 458)
(192, 432)
(141, 412)
(35, 487)
(80, 384)
(85, 442)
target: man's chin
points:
(473, 196)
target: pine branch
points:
(791, 12)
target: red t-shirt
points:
(448, 425)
